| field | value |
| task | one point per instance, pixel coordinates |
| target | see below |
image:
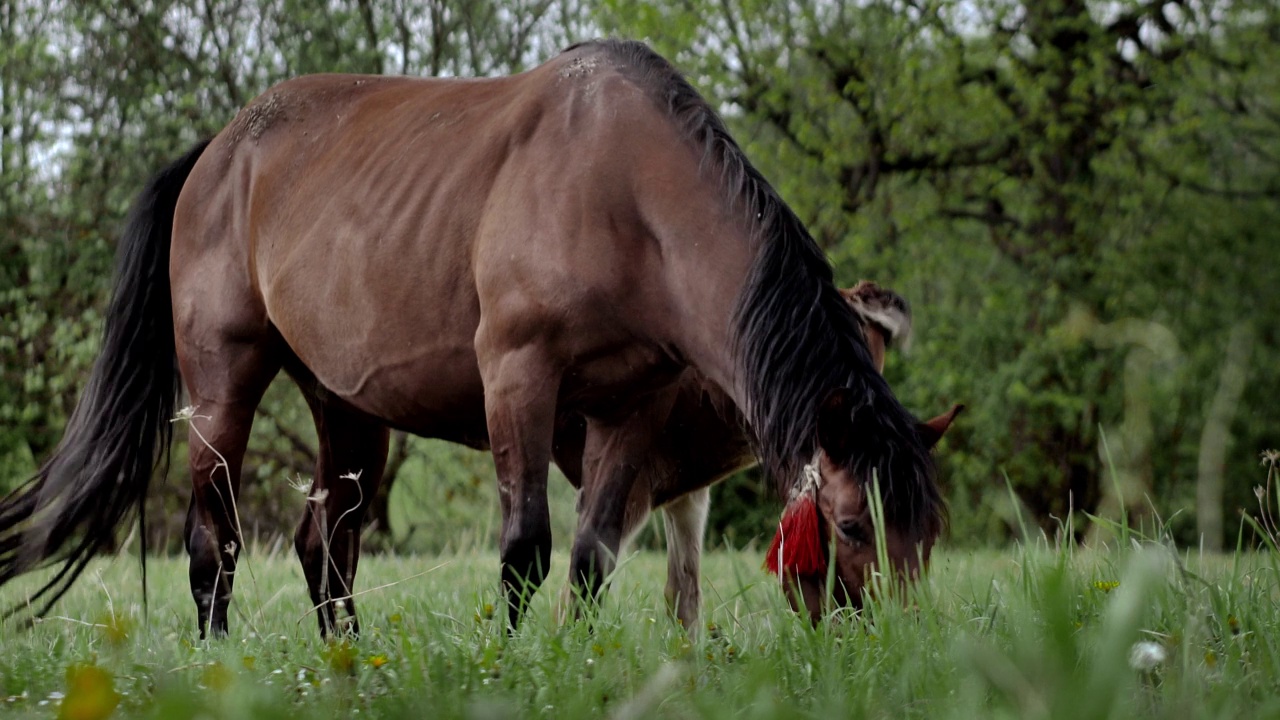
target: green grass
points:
(1027, 633)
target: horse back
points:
(373, 222)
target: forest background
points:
(1081, 200)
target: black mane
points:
(795, 337)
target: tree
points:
(1021, 171)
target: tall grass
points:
(1035, 632)
(1047, 630)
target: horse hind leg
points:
(225, 385)
(350, 462)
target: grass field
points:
(1027, 633)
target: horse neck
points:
(753, 308)
(708, 256)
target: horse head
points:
(839, 504)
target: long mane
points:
(794, 336)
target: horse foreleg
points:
(685, 519)
(639, 507)
(615, 451)
(352, 456)
(520, 387)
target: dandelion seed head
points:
(1146, 655)
(301, 485)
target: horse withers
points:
(465, 260)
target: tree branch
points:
(371, 33)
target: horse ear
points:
(932, 430)
(835, 423)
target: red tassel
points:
(799, 539)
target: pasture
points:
(1031, 632)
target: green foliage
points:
(1078, 198)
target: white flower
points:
(1146, 655)
(302, 486)
(185, 414)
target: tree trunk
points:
(1215, 439)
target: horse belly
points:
(447, 403)
(395, 344)
(435, 392)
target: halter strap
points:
(810, 481)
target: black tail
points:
(119, 432)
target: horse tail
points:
(119, 432)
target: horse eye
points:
(853, 532)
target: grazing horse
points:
(705, 440)
(464, 260)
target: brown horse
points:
(705, 440)
(462, 259)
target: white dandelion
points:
(1146, 655)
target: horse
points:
(461, 259)
(705, 441)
